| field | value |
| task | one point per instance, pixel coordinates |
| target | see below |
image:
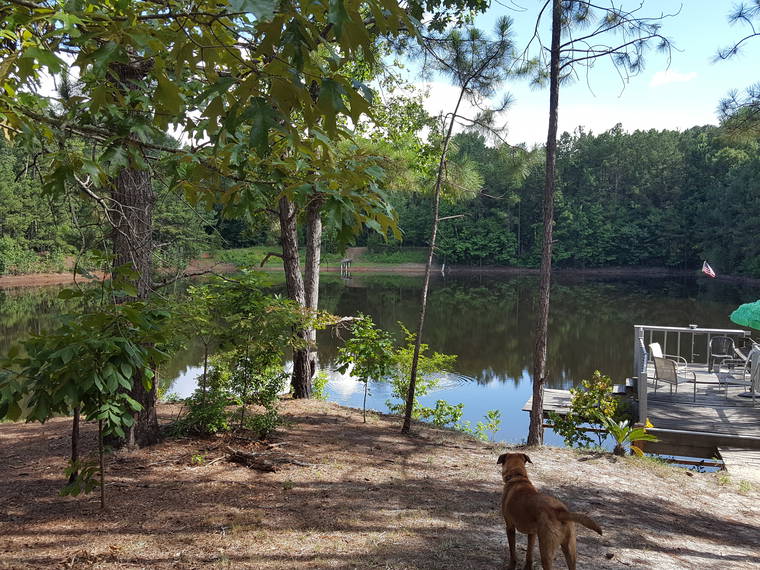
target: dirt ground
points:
(351, 495)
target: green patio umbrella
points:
(747, 315)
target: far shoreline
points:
(410, 269)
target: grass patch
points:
(245, 257)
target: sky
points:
(675, 94)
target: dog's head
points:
(513, 464)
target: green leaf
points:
(69, 294)
(46, 58)
(126, 369)
(98, 98)
(103, 56)
(134, 404)
(263, 118)
(331, 102)
(168, 95)
(337, 15)
(262, 9)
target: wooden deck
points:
(742, 464)
(694, 429)
(554, 401)
(716, 417)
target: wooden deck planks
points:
(742, 464)
(554, 401)
(716, 417)
(689, 417)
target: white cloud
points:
(669, 76)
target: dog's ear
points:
(501, 459)
(526, 458)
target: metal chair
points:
(656, 350)
(666, 370)
(720, 349)
(750, 374)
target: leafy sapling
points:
(369, 351)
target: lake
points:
(485, 319)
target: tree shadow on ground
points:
(372, 499)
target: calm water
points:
(485, 319)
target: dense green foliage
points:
(250, 330)
(647, 198)
(368, 353)
(591, 405)
(39, 232)
(431, 369)
(88, 361)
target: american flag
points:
(707, 270)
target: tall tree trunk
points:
(408, 409)
(301, 379)
(311, 284)
(536, 430)
(133, 246)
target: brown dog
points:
(530, 512)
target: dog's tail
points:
(579, 518)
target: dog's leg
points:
(512, 548)
(568, 547)
(529, 553)
(548, 548)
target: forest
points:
(640, 199)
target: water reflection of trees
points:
(487, 320)
(29, 311)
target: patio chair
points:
(750, 374)
(656, 350)
(720, 349)
(666, 370)
(743, 352)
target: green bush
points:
(206, 413)
(319, 385)
(444, 413)
(263, 424)
(15, 258)
(396, 255)
(592, 400)
(490, 425)
(430, 368)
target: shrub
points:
(490, 425)
(369, 351)
(592, 400)
(429, 372)
(206, 413)
(319, 385)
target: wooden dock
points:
(554, 401)
(742, 464)
(715, 419)
(694, 429)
